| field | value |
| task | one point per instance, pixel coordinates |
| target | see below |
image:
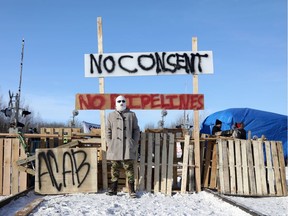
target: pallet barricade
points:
(245, 167)
(231, 166)
(15, 163)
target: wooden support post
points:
(102, 112)
(1, 164)
(185, 164)
(196, 127)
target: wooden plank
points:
(196, 127)
(164, 165)
(23, 175)
(232, 166)
(7, 167)
(25, 170)
(149, 162)
(257, 167)
(270, 175)
(25, 160)
(136, 169)
(251, 173)
(43, 139)
(94, 157)
(262, 167)
(191, 168)
(282, 167)
(225, 166)
(157, 164)
(51, 140)
(170, 164)
(238, 167)
(142, 162)
(185, 164)
(276, 169)
(207, 157)
(175, 162)
(60, 133)
(213, 178)
(29, 208)
(15, 172)
(1, 164)
(102, 112)
(243, 144)
(221, 187)
(203, 149)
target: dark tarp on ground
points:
(273, 126)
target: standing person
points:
(216, 130)
(122, 136)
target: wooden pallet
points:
(156, 173)
(251, 168)
(11, 180)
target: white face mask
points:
(120, 103)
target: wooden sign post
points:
(102, 112)
(196, 128)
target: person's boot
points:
(132, 192)
(113, 189)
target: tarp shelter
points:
(273, 126)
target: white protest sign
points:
(147, 64)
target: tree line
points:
(33, 120)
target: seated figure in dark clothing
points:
(216, 130)
(239, 131)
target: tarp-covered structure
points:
(273, 126)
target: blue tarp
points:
(273, 126)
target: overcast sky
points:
(248, 39)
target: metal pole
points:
(19, 89)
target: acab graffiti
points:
(63, 169)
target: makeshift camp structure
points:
(273, 126)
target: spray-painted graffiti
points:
(141, 101)
(65, 170)
(141, 64)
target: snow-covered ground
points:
(202, 203)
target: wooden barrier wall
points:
(231, 166)
(12, 180)
(244, 167)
